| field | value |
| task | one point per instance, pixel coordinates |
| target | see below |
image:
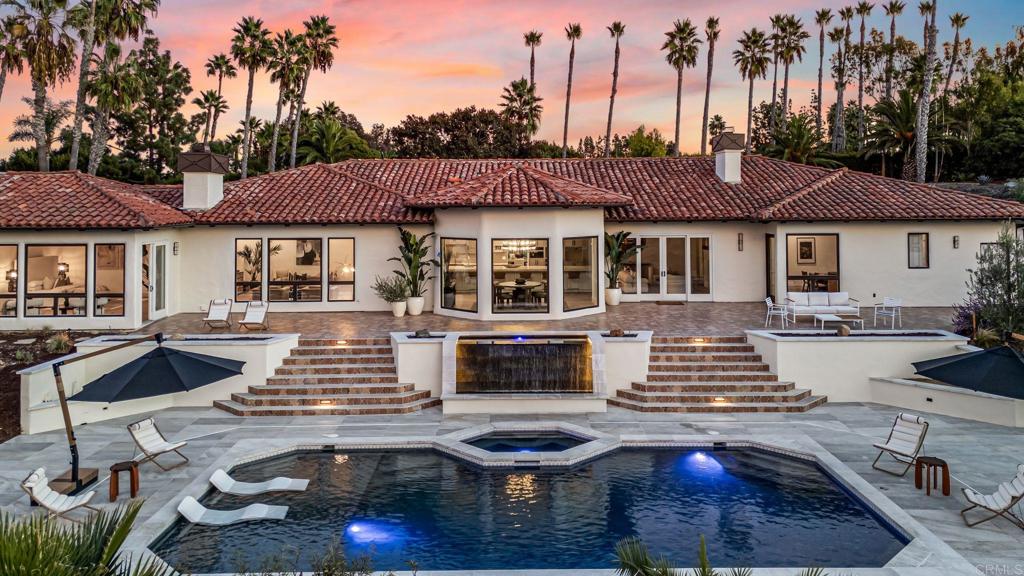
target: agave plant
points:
(616, 252)
(416, 262)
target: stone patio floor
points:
(980, 455)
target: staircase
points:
(720, 374)
(332, 377)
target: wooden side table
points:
(930, 466)
(132, 467)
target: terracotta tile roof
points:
(170, 194)
(315, 194)
(518, 184)
(78, 201)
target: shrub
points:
(60, 343)
(986, 338)
(24, 355)
(997, 284)
(390, 289)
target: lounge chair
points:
(891, 308)
(57, 505)
(196, 513)
(905, 442)
(999, 503)
(775, 311)
(152, 444)
(219, 314)
(255, 316)
(225, 483)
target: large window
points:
(294, 274)
(341, 269)
(458, 274)
(812, 262)
(8, 280)
(108, 280)
(249, 269)
(55, 280)
(917, 250)
(579, 273)
(519, 275)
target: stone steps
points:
(707, 367)
(706, 357)
(342, 342)
(329, 400)
(732, 396)
(351, 410)
(330, 389)
(346, 350)
(698, 340)
(720, 407)
(713, 387)
(310, 359)
(700, 348)
(324, 369)
(681, 376)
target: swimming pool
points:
(754, 508)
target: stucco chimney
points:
(728, 149)
(204, 177)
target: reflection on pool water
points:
(754, 509)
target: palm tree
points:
(320, 42)
(56, 114)
(617, 29)
(752, 60)
(958, 20)
(532, 39)
(924, 101)
(838, 37)
(250, 48)
(327, 109)
(288, 59)
(793, 37)
(893, 8)
(711, 32)
(863, 10)
(214, 105)
(97, 21)
(219, 65)
(116, 85)
(681, 47)
(327, 141)
(41, 29)
(11, 56)
(892, 130)
(776, 38)
(822, 18)
(796, 141)
(573, 32)
(925, 8)
(521, 106)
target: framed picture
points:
(806, 252)
(307, 252)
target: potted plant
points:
(416, 262)
(616, 252)
(392, 291)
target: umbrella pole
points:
(68, 429)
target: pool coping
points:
(924, 554)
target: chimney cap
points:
(202, 161)
(728, 141)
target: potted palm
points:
(416, 262)
(393, 291)
(617, 250)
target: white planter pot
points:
(415, 305)
(612, 296)
(398, 309)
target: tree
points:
(573, 32)
(892, 130)
(213, 105)
(924, 100)
(41, 29)
(521, 106)
(286, 63)
(863, 10)
(957, 20)
(617, 29)
(11, 56)
(327, 141)
(797, 141)
(219, 65)
(115, 85)
(643, 144)
(320, 43)
(711, 32)
(838, 37)
(56, 114)
(250, 48)
(752, 60)
(532, 39)
(777, 21)
(681, 46)
(893, 8)
(716, 126)
(996, 284)
(822, 18)
(793, 38)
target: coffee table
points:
(835, 318)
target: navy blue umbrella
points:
(998, 371)
(157, 372)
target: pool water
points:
(754, 509)
(532, 442)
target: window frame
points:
(294, 284)
(595, 271)
(547, 273)
(839, 258)
(18, 270)
(124, 280)
(55, 296)
(263, 269)
(476, 289)
(330, 282)
(927, 251)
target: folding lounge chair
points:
(196, 513)
(219, 314)
(256, 316)
(999, 503)
(905, 442)
(225, 483)
(152, 443)
(57, 505)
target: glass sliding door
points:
(675, 266)
(650, 265)
(700, 268)
(669, 268)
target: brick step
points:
(718, 387)
(377, 341)
(335, 369)
(706, 357)
(346, 350)
(305, 360)
(331, 389)
(701, 348)
(698, 339)
(707, 367)
(332, 379)
(711, 377)
(705, 398)
(352, 410)
(721, 408)
(337, 400)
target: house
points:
(519, 238)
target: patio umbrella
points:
(998, 371)
(157, 372)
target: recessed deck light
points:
(719, 399)
(326, 402)
(698, 340)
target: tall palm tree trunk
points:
(88, 45)
(568, 97)
(924, 103)
(298, 117)
(707, 99)
(860, 89)
(775, 89)
(39, 126)
(272, 158)
(750, 112)
(821, 69)
(206, 129)
(785, 93)
(247, 129)
(679, 106)
(611, 102)
(889, 58)
(533, 65)
(3, 80)
(216, 112)
(213, 125)
(99, 140)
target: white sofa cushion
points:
(817, 298)
(845, 310)
(798, 298)
(838, 298)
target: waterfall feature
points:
(523, 364)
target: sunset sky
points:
(416, 57)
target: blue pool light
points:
(371, 532)
(526, 450)
(519, 339)
(702, 463)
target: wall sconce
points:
(175, 248)
(739, 241)
(956, 242)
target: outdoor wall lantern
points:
(175, 248)
(956, 242)
(739, 241)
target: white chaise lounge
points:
(811, 303)
(255, 316)
(57, 505)
(152, 444)
(905, 441)
(225, 483)
(999, 503)
(196, 513)
(219, 314)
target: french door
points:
(671, 268)
(154, 281)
